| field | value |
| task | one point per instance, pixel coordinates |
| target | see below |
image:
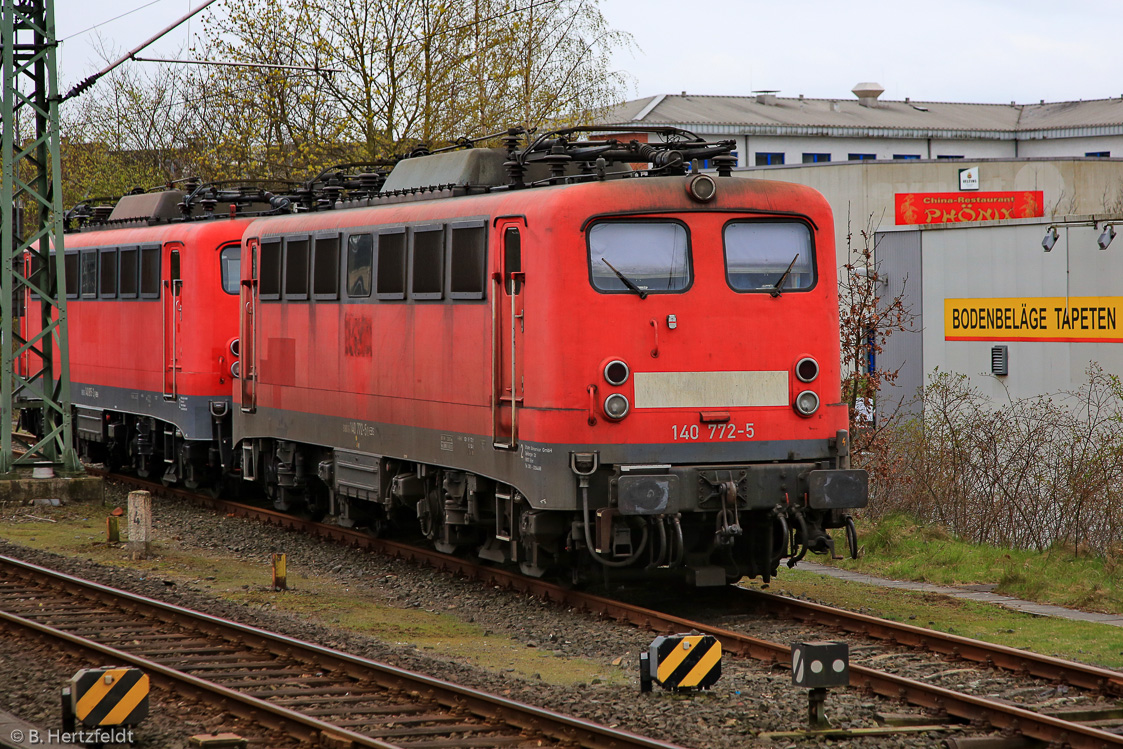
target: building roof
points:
(775, 115)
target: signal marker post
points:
(816, 666)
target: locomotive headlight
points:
(616, 406)
(807, 369)
(701, 187)
(616, 372)
(236, 347)
(236, 370)
(807, 403)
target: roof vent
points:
(867, 93)
(767, 97)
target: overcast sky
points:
(940, 50)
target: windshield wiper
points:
(780, 282)
(627, 281)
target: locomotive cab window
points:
(629, 257)
(230, 263)
(325, 268)
(107, 285)
(150, 272)
(269, 269)
(129, 283)
(360, 260)
(427, 270)
(391, 279)
(466, 264)
(769, 256)
(89, 274)
(296, 268)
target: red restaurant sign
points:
(956, 207)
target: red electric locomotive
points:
(545, 357)
(152, 290)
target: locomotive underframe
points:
(708, 523)
(156, 448)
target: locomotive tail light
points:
(616, 372)
(236, 347)
(701, 187)
(807, 403)
(616, 406)
(807, 369)
(236, 370)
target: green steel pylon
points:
(34, 369)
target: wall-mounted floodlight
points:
(1050, 238)
(1105, 238)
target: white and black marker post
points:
(816, 666)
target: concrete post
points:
(140, 525)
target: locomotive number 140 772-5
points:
(691, 432)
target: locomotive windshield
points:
(764, 255)
(654, 256)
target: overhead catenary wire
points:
(111, 20)
(85, 84)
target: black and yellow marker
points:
(679, 662)
(109, 696)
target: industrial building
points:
(1021, 307)
(772, 130)
(979, 213)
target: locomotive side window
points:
(428, 263)
(150, 272)
(769, 256)
(628, 257)
(467, 258)
(72, 278)
(391, 279)
(107, 287)
(230, 263)
(512, 258)
(296, 268)
(325, 268)
(269, 269)
(130, 272)
(89, 274)
(48, 281)
(360, 258)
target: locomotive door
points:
(171, 309)
(248, 333)
(507, 313)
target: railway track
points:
(314, 694)
(1000, 715)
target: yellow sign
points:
(1092, 319)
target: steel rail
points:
(967, 707)
(563, 728)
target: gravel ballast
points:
(749, 699)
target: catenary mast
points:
(33, 372)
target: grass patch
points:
(1098, 644)
(901, 549)
(79, 531)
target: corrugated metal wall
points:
(898, 254)
(1001, 261)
